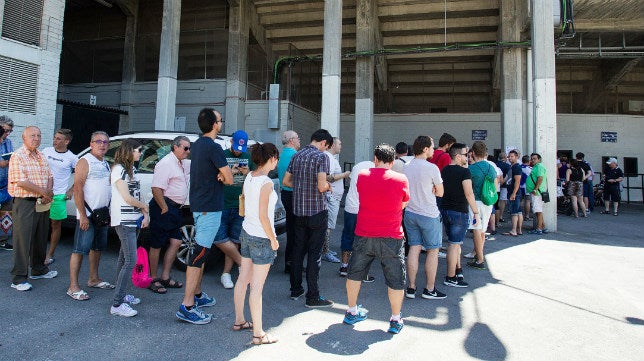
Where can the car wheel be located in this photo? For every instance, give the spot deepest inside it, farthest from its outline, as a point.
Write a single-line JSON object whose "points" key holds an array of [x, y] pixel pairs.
{"points": [[188, 244]]}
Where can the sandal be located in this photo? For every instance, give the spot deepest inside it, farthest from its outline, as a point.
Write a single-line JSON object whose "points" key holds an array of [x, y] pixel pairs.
{"points": [[264, 339], [170, 283], [246, 325], [157, 287], [605, 212], [104, 285], [78, 295]]}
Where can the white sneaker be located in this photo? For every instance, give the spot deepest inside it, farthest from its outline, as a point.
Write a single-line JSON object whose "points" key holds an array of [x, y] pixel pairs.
{"points": [[227, 281], [470, 255], [442, 254], [131, 299], [50, 274], [24, 286], [123, 310]]}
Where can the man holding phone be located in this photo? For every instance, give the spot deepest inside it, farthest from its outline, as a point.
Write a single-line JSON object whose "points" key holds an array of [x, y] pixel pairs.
{"points": [[227, 238]]}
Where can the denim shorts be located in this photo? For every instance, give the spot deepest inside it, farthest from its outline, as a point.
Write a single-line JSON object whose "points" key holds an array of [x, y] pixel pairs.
{"points": [[348, 231], [456, 224], [94, 238], [515, 205], [231, 226], [423, 231], [206, 226], [389, 251], [258, 249]]}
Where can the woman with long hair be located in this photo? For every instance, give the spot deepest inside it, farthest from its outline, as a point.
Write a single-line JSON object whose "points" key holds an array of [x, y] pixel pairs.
{"points": [[126, 211], [575, 176], [258, 241]]}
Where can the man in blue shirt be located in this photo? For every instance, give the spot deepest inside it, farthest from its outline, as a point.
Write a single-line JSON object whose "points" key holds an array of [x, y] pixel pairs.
{"points": [[291, 142], [209, 172]]}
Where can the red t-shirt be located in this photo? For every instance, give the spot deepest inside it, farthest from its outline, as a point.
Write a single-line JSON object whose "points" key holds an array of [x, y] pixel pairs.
{"points": [[441, 159], [381, 193]]}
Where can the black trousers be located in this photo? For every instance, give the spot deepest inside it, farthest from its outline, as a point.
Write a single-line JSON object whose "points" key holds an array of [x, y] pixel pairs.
{"points": [[310, 233]]}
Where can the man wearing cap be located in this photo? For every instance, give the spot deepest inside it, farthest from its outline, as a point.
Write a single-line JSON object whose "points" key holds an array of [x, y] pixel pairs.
{"points": [[227, 238], [612, 189]]}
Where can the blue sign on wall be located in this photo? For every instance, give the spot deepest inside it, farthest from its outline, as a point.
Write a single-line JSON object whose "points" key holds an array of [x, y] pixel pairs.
{"points": [[479, 134], [609, 137]]}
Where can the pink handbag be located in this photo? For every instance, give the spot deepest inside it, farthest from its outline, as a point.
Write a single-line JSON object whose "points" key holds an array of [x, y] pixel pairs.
{"points": [[141, 272]]}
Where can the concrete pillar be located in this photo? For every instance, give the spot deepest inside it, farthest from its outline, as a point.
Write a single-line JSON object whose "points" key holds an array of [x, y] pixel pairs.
{"points": [[129, 69], [365, 15], [330, 117], [236, 73], [168, 62], [1, 12], [545, 107], [529, 121], [511, 78]]}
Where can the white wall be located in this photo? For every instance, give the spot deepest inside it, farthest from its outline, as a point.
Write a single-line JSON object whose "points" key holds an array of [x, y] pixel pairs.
{"points": [[47, 57]]}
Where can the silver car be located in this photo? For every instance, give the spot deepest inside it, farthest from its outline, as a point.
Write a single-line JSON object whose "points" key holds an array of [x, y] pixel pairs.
{"points": [[156, 145]]}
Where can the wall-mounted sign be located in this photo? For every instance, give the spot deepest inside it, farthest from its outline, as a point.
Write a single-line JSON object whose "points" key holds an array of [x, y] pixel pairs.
{"points": [[609, 137], [92, 99], [479, 134]]}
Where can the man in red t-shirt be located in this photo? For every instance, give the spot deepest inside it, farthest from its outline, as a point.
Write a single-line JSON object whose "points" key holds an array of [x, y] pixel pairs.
{"points": [[441, 155], [383, 194]]}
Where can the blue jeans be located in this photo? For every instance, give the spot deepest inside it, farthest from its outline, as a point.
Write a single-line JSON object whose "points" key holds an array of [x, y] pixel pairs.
{"points": [[94, 239], [348, 231], [126, 261], [456, 224]]}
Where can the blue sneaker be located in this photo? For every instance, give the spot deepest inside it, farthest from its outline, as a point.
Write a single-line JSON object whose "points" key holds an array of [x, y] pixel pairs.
{"points": [[193, 315], [351, 319], [395, 327], [204, 300]]}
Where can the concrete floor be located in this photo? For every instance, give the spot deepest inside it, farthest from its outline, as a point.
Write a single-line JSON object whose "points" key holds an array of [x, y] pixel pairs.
{"points": [[575, 295]]}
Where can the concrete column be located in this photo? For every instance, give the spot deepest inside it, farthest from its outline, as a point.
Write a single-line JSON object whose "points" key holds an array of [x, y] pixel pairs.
{"points": [[545, 109], [168, 62], [529, 124], [331, 66], [236, 74], [364, 81], [1, 12], [129, 69], [511, 78]]}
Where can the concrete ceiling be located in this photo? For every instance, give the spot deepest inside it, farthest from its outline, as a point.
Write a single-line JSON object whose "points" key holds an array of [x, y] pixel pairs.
{"points": [[455, 81]]}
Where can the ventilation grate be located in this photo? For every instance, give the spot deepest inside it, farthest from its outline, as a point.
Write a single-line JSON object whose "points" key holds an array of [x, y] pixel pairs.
{"points": [[22, 20], [18, 85]]}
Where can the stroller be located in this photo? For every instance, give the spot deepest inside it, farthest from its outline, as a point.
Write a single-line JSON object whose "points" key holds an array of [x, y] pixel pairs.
{"points": [[598, 194], [564, 203]]}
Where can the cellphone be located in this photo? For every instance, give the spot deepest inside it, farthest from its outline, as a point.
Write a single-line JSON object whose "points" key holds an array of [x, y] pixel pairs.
{"points": [[243, 163], [474, 221]]}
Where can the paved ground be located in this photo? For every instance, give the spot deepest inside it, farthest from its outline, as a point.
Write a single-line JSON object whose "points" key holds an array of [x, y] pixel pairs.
{"points": [[575, 295]]}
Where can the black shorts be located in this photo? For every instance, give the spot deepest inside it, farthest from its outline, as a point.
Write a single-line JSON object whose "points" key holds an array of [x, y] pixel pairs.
{"points": [[389, 251], [612, 193], [164, 226]]}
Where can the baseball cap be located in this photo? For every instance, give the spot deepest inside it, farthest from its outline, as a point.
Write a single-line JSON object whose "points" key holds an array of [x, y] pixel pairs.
{"points": [[240, 141], [611, 160]]}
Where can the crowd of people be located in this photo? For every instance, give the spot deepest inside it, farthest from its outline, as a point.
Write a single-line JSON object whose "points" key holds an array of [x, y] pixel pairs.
{"points": [[400, 203]]}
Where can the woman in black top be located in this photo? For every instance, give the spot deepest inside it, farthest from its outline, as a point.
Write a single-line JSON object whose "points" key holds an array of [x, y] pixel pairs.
{"points": [[575, 176]]}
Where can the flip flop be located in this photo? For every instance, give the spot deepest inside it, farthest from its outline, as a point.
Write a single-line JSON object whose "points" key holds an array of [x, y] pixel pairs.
{"points": [[509, 234], [104, 285], [246, 325], [170, 283], [49, 261], [264, 339], [78, 295]]}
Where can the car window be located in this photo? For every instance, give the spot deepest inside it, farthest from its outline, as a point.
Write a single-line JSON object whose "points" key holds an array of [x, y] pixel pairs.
{"points": [[153, 151]]}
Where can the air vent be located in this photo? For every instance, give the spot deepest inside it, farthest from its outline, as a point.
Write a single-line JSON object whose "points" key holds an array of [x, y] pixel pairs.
{"points": [[22, 20], [18, 84]]}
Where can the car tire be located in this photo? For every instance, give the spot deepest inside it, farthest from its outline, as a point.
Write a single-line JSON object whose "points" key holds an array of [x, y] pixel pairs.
{"points": [[188, 243]]}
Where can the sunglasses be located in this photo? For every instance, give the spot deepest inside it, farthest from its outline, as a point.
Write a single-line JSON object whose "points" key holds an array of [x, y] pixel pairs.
{"points": [[186, 148]]}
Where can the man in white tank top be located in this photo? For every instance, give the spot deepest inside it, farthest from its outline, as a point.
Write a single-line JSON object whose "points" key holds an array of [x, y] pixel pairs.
{"points": [[91, 190]]}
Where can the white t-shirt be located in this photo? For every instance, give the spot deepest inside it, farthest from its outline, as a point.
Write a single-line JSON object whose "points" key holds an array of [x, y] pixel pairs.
{"points": [[62, 165], [499, 173], [337, 187], [252, 190], [422, 176], [352, 202], [123, 214]]}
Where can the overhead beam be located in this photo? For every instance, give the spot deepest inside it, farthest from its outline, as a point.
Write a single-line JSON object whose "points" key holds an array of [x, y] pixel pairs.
{"points": [[608, 76], [609, 25]]}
